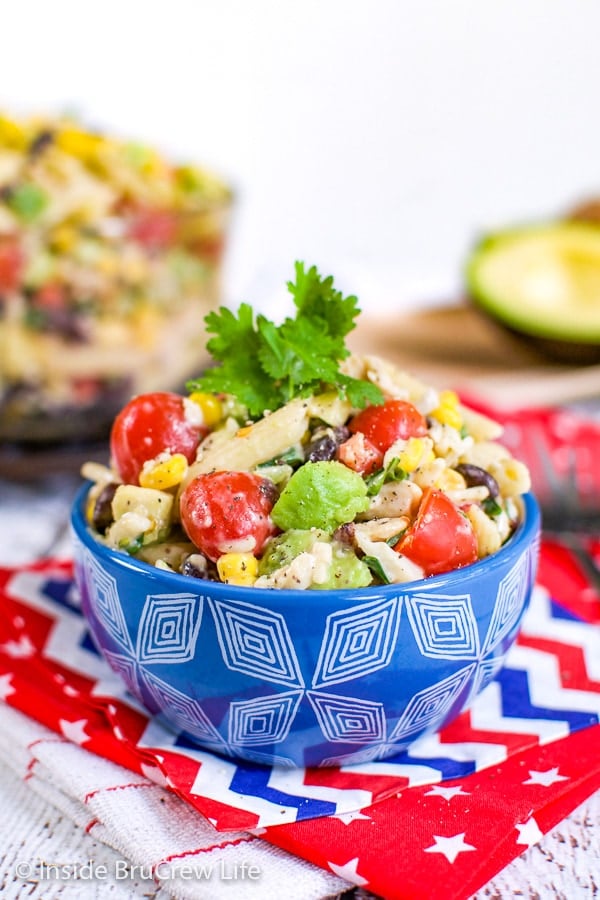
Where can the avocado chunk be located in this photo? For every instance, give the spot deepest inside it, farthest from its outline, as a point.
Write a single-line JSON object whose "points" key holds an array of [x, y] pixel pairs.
{"points": [[542, 281], [323, 495], [344, 571]]}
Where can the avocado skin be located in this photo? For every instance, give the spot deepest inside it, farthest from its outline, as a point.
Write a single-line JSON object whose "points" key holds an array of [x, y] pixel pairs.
{"points": [[572, 353]]}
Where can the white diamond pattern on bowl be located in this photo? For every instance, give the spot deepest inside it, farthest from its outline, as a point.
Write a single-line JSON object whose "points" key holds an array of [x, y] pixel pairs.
{"points": [[187, 713], [431, 705], [105, 600], [358, 641], [509, 603], [256, 642], [348, 719], [263, 720], [486, 670], [168, 628], [126, 668], [355, 641], [444, 627]]}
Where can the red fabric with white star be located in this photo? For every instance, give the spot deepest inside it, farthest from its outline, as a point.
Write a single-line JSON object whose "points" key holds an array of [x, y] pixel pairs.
{"points": [[445, 842]]}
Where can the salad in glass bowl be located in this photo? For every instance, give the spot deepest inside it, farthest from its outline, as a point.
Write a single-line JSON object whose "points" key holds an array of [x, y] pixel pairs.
{"points": [[110, 255], [292, 464]]}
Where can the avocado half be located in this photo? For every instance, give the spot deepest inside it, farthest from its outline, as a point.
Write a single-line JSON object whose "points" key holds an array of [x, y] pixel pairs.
{"points": [[542, 282]]}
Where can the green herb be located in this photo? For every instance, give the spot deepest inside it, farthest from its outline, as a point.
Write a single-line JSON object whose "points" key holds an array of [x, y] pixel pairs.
{"points": [[376, 568], [292, 457], [132, 545], [266, 365], [491, 507], [392, 472]]}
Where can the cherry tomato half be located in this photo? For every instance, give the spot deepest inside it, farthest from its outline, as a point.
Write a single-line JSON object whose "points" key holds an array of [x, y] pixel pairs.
{"points": [[393, 420], [148, 425], [441, 537], [228, 512]]}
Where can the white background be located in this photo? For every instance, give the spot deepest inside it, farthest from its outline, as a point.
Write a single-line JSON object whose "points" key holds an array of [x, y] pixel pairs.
{"points": [[376, 139]]}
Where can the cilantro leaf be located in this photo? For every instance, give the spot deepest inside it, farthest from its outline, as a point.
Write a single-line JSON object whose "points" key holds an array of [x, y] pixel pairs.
{"points": [[265, 365], [235, 346], [317, 299]]}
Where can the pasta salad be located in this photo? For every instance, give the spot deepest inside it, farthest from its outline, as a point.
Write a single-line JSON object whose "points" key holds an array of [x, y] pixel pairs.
{"points": [[109, 254], [370, 477]]}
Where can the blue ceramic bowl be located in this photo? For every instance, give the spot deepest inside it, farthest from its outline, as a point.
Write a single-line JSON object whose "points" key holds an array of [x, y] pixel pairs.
{"points": [[305, 678]]}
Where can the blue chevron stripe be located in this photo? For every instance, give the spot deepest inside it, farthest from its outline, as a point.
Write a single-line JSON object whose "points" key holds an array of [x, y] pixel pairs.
{"points": [[253, 780], [561, 613], [450, 768], [516, 703]]}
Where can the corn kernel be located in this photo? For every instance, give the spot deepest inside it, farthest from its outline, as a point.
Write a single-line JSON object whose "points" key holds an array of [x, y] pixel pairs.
{"points": [[81, 144], [90, 506], [11, 134], [410, 457], [63, 238], [164, 473], [238, 568], [242, 432], [212, 410], [447, 411]]}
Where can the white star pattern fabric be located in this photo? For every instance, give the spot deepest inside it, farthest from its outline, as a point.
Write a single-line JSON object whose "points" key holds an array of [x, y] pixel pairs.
{"points": [[349, 871], [529, 833], [348, 818], [74, 731], [447, 793], [6, 688], [551, 776], [450, 847]]}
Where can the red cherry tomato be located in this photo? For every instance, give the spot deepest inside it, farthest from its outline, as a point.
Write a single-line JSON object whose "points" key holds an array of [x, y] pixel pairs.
{"points": [[154, 228], [11, 264], [441, 537], [148, 425], [224, 512], [394, 419], [51, 296]]}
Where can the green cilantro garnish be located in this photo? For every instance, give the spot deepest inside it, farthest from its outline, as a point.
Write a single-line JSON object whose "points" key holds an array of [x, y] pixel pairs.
{"points": [[266, 365]]}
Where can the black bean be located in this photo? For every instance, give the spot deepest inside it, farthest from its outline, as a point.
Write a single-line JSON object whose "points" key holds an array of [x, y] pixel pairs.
{"points": [[475, 475], [198, 566], [269, 490], [321, 450], [324, 448], [102, 517]]}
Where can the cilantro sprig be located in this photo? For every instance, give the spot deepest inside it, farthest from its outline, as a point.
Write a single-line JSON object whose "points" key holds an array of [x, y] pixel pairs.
{"points": [[266, 365]]}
